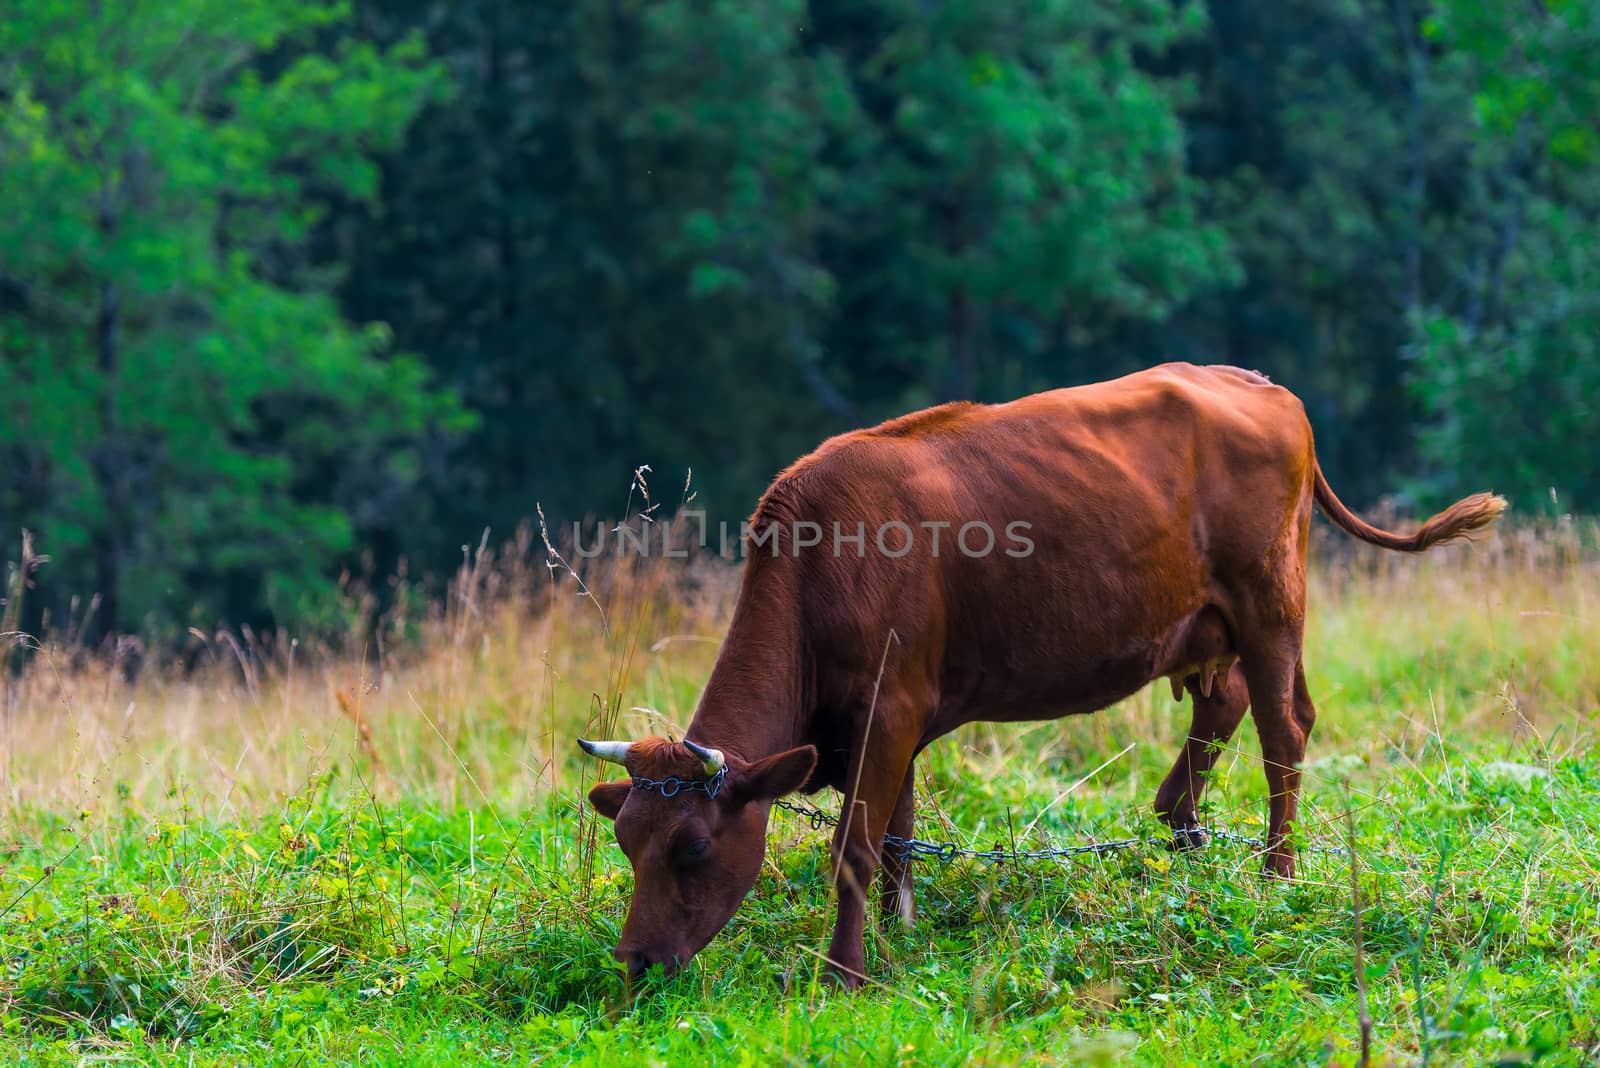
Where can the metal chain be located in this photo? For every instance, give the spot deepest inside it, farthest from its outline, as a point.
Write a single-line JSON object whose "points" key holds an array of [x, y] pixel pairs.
{"points": [[910, 848], [673, 786]]}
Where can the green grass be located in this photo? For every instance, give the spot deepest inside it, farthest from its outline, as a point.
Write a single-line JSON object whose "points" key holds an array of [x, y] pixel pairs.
{"points": [[437, 897]]}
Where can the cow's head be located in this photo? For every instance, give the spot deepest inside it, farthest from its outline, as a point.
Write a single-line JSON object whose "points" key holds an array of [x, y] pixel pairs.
{"points": [[696, 850]]}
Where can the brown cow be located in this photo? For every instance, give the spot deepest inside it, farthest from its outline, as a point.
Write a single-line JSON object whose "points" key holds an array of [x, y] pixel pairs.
{"points": [[1153, 526]]}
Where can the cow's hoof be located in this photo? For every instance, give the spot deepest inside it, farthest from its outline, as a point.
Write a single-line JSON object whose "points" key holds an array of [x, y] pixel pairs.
{"points": [[1186, 838], [843, 976]]}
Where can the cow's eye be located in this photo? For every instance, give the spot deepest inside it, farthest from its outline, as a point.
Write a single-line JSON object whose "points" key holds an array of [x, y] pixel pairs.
{"points": [[694, 852]]}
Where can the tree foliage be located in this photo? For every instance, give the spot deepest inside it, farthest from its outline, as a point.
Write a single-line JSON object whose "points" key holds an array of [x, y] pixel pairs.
{"points": [[1511, 374], [708, 233], [1014, 190], [705, 234], [190, 422]]}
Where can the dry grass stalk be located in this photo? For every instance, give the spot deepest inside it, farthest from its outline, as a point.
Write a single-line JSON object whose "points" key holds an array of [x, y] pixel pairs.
{"points": [[1363, 1012], [352, 710], [11, 638]]}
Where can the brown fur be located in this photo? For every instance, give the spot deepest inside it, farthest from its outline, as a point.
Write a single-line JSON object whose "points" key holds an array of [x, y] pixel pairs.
{"points": [[1456, 523], [1169, 513]]}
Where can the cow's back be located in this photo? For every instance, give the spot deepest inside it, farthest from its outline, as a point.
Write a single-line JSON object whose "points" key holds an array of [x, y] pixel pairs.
{"points": [[1099, 521]]}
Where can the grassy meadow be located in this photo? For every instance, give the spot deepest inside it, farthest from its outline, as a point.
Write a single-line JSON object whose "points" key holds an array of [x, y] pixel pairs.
{"points": [[249, 850]]}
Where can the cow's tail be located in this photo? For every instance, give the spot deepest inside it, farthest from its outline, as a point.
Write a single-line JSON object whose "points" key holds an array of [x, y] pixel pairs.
{"points": [[1459, 521]]}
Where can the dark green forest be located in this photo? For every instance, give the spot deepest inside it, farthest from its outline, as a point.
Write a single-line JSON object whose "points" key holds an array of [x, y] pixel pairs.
{"points": [[292, 290]]}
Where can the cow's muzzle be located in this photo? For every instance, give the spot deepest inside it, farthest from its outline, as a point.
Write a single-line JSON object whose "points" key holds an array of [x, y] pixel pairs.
{"points": [[639, 961]]}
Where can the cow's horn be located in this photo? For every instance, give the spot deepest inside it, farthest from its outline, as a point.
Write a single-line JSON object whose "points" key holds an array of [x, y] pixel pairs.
{"points": [[616, 752], [711, 758]]}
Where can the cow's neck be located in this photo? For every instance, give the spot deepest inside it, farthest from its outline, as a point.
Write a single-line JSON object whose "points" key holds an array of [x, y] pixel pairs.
{"points": [[757, 701]]}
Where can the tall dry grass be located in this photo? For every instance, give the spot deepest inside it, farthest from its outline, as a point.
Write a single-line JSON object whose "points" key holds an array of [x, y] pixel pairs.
{"points": [[480, 696], [476, 696]]}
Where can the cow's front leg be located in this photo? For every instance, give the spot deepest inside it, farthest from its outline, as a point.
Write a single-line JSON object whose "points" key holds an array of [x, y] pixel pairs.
{"points": [[894, 882], [878, 773], [1216, 717]]}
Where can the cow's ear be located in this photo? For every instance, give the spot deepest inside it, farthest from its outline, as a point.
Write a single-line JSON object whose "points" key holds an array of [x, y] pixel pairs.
{"points": [[607, 798], [776, 775]]}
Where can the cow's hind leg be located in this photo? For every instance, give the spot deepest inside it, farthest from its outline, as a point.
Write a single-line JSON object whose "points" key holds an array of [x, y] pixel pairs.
{"points": [[1282, 709], [894, 879], [1215, 719]]}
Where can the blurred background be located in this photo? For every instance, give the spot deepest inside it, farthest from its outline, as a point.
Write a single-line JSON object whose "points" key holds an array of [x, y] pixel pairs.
{"points": [[296, 295]]}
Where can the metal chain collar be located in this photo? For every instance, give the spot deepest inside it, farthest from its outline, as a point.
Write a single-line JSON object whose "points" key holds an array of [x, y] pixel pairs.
{"points": [[911, 848], [673, 786]]}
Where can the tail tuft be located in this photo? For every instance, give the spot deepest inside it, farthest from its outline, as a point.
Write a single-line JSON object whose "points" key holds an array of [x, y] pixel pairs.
{"points": [[1461, 520]]}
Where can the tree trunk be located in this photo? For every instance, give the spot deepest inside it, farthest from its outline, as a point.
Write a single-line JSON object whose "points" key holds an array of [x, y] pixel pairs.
{"points": [[1417, 180]]}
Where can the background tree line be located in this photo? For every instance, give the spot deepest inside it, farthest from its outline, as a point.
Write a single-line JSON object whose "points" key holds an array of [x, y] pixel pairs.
{"points": [[294, 288]]}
